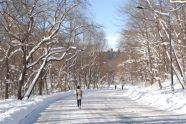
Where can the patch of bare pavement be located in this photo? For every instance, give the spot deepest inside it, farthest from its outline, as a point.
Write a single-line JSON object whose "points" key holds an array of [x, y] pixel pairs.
{"points": [[105, 107]]}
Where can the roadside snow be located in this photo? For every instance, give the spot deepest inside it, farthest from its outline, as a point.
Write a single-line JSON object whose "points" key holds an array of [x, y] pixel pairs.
{"points": [[163, 99], [14, 111]]}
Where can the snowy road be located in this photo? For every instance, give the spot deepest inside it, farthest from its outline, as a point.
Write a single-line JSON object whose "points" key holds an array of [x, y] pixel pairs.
{"points": [[105, 107]]}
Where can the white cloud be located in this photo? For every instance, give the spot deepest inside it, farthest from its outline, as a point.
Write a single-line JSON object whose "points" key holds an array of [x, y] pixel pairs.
{"points": [[112, 41]]}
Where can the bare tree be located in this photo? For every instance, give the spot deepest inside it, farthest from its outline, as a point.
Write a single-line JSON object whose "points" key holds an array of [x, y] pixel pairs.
{"points": [[149, 20]]}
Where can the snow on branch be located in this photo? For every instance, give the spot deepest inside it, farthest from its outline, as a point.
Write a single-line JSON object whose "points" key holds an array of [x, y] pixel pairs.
{"points": [[35, 62], [162, 13], [13, 53], [45, 39], [57, 49], [52, 58]]}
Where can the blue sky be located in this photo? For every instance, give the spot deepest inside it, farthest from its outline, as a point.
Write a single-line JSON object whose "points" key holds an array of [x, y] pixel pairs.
{"points": [[106, 13]]}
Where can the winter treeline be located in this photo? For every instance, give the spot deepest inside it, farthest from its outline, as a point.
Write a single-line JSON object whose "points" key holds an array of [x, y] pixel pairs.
{"points": [[47, 46], [146, 41]]}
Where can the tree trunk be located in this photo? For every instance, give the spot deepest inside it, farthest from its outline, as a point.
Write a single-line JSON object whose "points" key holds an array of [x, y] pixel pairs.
{"points": [[20, 83], [41, 87], [7, 74], [6, 90], [28, 92], [89, 76], [7, 80]]}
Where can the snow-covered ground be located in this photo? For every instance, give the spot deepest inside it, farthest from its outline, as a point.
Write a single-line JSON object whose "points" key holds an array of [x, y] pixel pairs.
{"points": [[13, 111], [163, 99]]}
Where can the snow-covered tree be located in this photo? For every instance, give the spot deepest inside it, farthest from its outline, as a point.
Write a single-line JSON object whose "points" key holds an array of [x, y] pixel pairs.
{"points": [[42, 43], [152, 21]]}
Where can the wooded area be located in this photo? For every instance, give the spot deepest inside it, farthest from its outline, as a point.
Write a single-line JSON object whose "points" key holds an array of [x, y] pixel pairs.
{"points": [[152, 25], [48, 46]]}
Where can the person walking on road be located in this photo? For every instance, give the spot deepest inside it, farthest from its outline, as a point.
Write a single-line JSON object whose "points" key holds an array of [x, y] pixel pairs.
{"points": [[78, 96], [122, 86]]}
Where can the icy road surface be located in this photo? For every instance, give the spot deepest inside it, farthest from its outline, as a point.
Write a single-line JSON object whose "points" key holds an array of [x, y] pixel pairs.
{"points": [[105, 107]]}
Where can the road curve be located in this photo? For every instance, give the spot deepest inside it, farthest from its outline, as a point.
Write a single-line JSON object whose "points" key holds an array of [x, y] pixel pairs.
{"points": [[105, 107]]}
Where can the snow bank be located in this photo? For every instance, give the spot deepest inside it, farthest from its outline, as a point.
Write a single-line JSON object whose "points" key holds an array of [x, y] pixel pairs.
{"points": [[163, 99], [14, 111]]}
